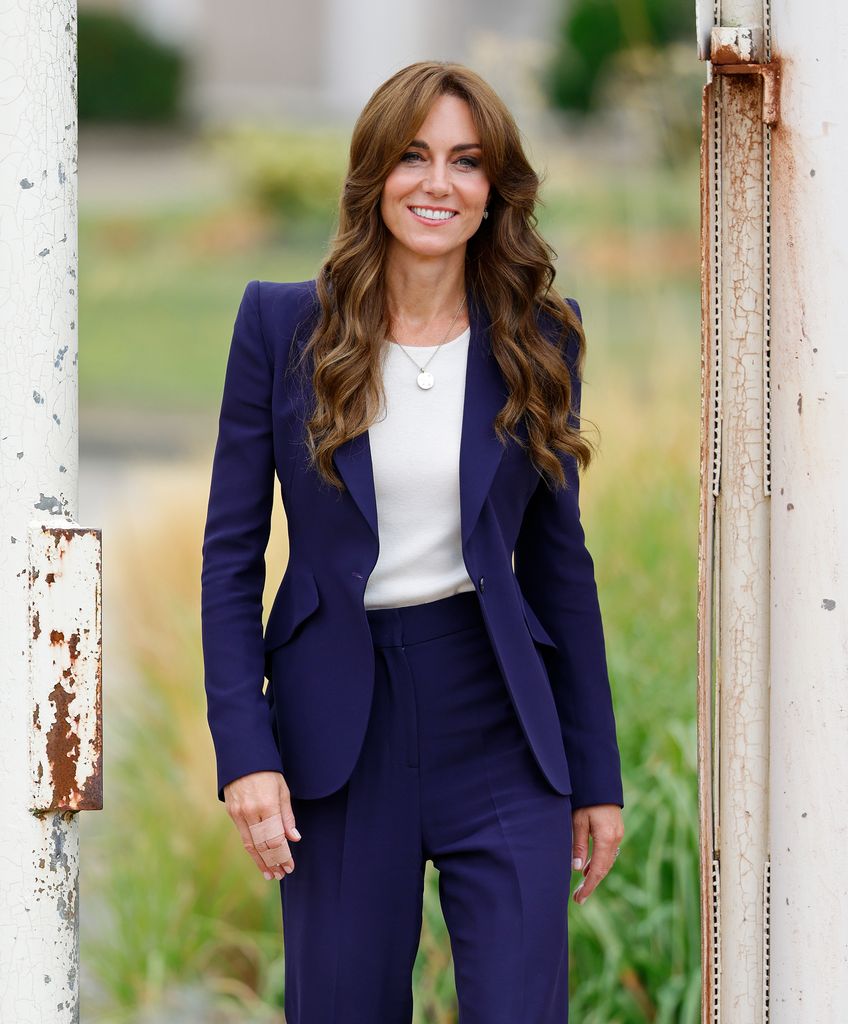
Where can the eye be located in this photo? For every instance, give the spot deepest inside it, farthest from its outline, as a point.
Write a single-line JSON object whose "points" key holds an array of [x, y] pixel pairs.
{"points": [[471, 161]]}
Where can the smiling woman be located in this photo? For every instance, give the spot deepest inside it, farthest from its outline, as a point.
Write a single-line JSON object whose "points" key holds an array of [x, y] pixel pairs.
{"points": [[438, 687], [434, 186]]}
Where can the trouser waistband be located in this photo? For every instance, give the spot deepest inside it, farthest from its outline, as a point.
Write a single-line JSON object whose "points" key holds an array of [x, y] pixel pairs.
{"points": [[410, 624]]}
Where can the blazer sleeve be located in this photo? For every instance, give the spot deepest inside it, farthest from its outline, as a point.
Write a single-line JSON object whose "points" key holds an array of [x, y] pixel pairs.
{"points": [[556, 574], [238, 525]]}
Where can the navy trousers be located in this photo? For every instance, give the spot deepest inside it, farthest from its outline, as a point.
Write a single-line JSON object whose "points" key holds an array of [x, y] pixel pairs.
{"points": [[445, 774]]}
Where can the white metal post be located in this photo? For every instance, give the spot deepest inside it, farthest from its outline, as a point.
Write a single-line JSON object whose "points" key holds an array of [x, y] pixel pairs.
{"points": [[808, 792], [50, 725], [773, 645]]}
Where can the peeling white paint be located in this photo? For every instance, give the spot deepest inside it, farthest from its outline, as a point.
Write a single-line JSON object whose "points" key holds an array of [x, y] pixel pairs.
{"points": [[772, 642], [39, 849]]}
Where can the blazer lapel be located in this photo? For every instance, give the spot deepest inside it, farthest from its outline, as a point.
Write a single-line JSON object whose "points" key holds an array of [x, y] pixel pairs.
{"points": [[480, 451], [353, 461]]}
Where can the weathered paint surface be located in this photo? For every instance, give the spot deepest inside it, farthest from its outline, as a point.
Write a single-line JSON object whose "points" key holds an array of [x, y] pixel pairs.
{"points": [[50, 735], [808, 802], [772, 646], [742, 616], [66, 741], [733, 609]]}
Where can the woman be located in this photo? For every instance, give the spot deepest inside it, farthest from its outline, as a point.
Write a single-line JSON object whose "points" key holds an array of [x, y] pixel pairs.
{"points": [[435, 654]]}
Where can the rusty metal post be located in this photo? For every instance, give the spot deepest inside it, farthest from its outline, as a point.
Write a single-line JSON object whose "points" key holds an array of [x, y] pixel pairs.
{"points": [[772, 641], [50, 639], [733, 705]]}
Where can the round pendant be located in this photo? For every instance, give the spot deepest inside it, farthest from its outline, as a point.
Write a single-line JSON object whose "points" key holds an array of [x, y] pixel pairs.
{"points": [[425, 380]]}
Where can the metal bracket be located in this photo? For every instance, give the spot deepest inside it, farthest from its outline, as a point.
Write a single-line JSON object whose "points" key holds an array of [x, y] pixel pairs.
{"points": [[734, 51], [65, 724]]}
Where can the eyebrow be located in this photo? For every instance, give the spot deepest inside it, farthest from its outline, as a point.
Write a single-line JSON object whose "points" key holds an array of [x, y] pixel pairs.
{"points": [[420, 144]]}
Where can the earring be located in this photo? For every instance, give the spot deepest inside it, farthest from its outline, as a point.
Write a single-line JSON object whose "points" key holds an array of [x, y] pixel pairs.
{"points": [[486, 212]]}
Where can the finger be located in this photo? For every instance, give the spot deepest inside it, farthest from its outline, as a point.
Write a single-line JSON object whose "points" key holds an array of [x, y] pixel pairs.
{"points": [[287, 811], [243, 819], [276, 854], [604, 845], [288, 814], [579, 840], [269, 838], [247, 842]]}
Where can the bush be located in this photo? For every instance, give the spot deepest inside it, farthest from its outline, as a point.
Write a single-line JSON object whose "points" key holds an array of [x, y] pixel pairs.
{"points": [[125, 74], [593, 32], [292, 173]]}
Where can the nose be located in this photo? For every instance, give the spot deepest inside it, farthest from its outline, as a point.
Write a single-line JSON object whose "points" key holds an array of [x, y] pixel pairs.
{"points": [[437, 181]]}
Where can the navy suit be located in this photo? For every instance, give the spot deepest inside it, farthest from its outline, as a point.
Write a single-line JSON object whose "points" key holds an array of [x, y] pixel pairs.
{"points": [[463, 730], [543, 617]]}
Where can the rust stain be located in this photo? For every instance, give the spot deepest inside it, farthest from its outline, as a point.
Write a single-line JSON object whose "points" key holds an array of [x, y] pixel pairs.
{"points": [[769, 74], [63, 741], [724, 53], [62, 748]]}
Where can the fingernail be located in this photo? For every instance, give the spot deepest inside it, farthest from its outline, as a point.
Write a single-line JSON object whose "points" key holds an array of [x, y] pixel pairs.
{"points": [[288, 869], [577, 863], [268, 875], [578, 894], [296, 834]]}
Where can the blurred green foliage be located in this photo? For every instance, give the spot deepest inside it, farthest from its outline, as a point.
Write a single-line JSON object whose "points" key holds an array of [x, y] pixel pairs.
{"points": [[125, 75], [289, 172], [593, 32]]}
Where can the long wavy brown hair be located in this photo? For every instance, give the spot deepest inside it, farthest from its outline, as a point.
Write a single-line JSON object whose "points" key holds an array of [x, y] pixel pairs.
{"points": [[508, 268]]}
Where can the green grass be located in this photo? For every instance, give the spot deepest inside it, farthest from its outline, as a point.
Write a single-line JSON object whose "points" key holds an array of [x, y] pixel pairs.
{"points": [[183, 919], [158, 298]]}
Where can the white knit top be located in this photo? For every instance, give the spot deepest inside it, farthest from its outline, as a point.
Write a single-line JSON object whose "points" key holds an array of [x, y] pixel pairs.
{"points": [[415, 458]]}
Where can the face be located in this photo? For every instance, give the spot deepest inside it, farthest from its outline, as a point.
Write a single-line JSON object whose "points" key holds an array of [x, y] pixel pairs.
{"points": [[440, 171]]}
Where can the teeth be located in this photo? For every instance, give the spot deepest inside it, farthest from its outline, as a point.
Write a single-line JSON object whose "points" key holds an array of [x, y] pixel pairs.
{"points": [[433, 214]]}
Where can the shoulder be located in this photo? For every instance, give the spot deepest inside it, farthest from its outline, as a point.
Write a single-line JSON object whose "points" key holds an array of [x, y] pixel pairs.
{"points": [[576, 307], [282, 310], [282, 304], [561, 336]]}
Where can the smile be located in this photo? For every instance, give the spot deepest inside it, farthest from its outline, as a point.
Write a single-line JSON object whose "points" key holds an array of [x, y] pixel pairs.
{"points": [[431, 216]]}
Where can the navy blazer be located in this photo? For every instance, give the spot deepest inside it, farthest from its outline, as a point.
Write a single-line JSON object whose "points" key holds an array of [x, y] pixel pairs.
{"points": [[541, 610]]}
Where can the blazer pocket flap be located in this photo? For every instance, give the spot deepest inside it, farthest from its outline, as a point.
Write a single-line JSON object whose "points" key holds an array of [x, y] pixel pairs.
{"points": [[296, 600], [537, 630]]}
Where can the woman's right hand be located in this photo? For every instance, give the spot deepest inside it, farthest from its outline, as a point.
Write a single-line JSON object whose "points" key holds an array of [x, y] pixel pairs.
{"points": [[253, 798]]}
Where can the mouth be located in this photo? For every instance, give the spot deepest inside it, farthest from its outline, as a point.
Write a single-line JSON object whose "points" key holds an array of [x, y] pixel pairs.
{"points": [[439, 216]]}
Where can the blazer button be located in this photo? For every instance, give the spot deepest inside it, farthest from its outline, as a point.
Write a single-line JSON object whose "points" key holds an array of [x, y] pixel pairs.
{"points": [[482, 580]]}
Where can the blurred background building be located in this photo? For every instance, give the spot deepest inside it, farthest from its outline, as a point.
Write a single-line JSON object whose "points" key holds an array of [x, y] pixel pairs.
{"points": [[322, 60]]}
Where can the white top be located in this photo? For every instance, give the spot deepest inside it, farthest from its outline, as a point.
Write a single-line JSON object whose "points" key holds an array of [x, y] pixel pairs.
{"points": [[415, 457]]}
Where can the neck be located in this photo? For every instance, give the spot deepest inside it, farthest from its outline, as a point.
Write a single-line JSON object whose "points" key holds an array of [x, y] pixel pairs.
{"points": [[426, 293]]}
